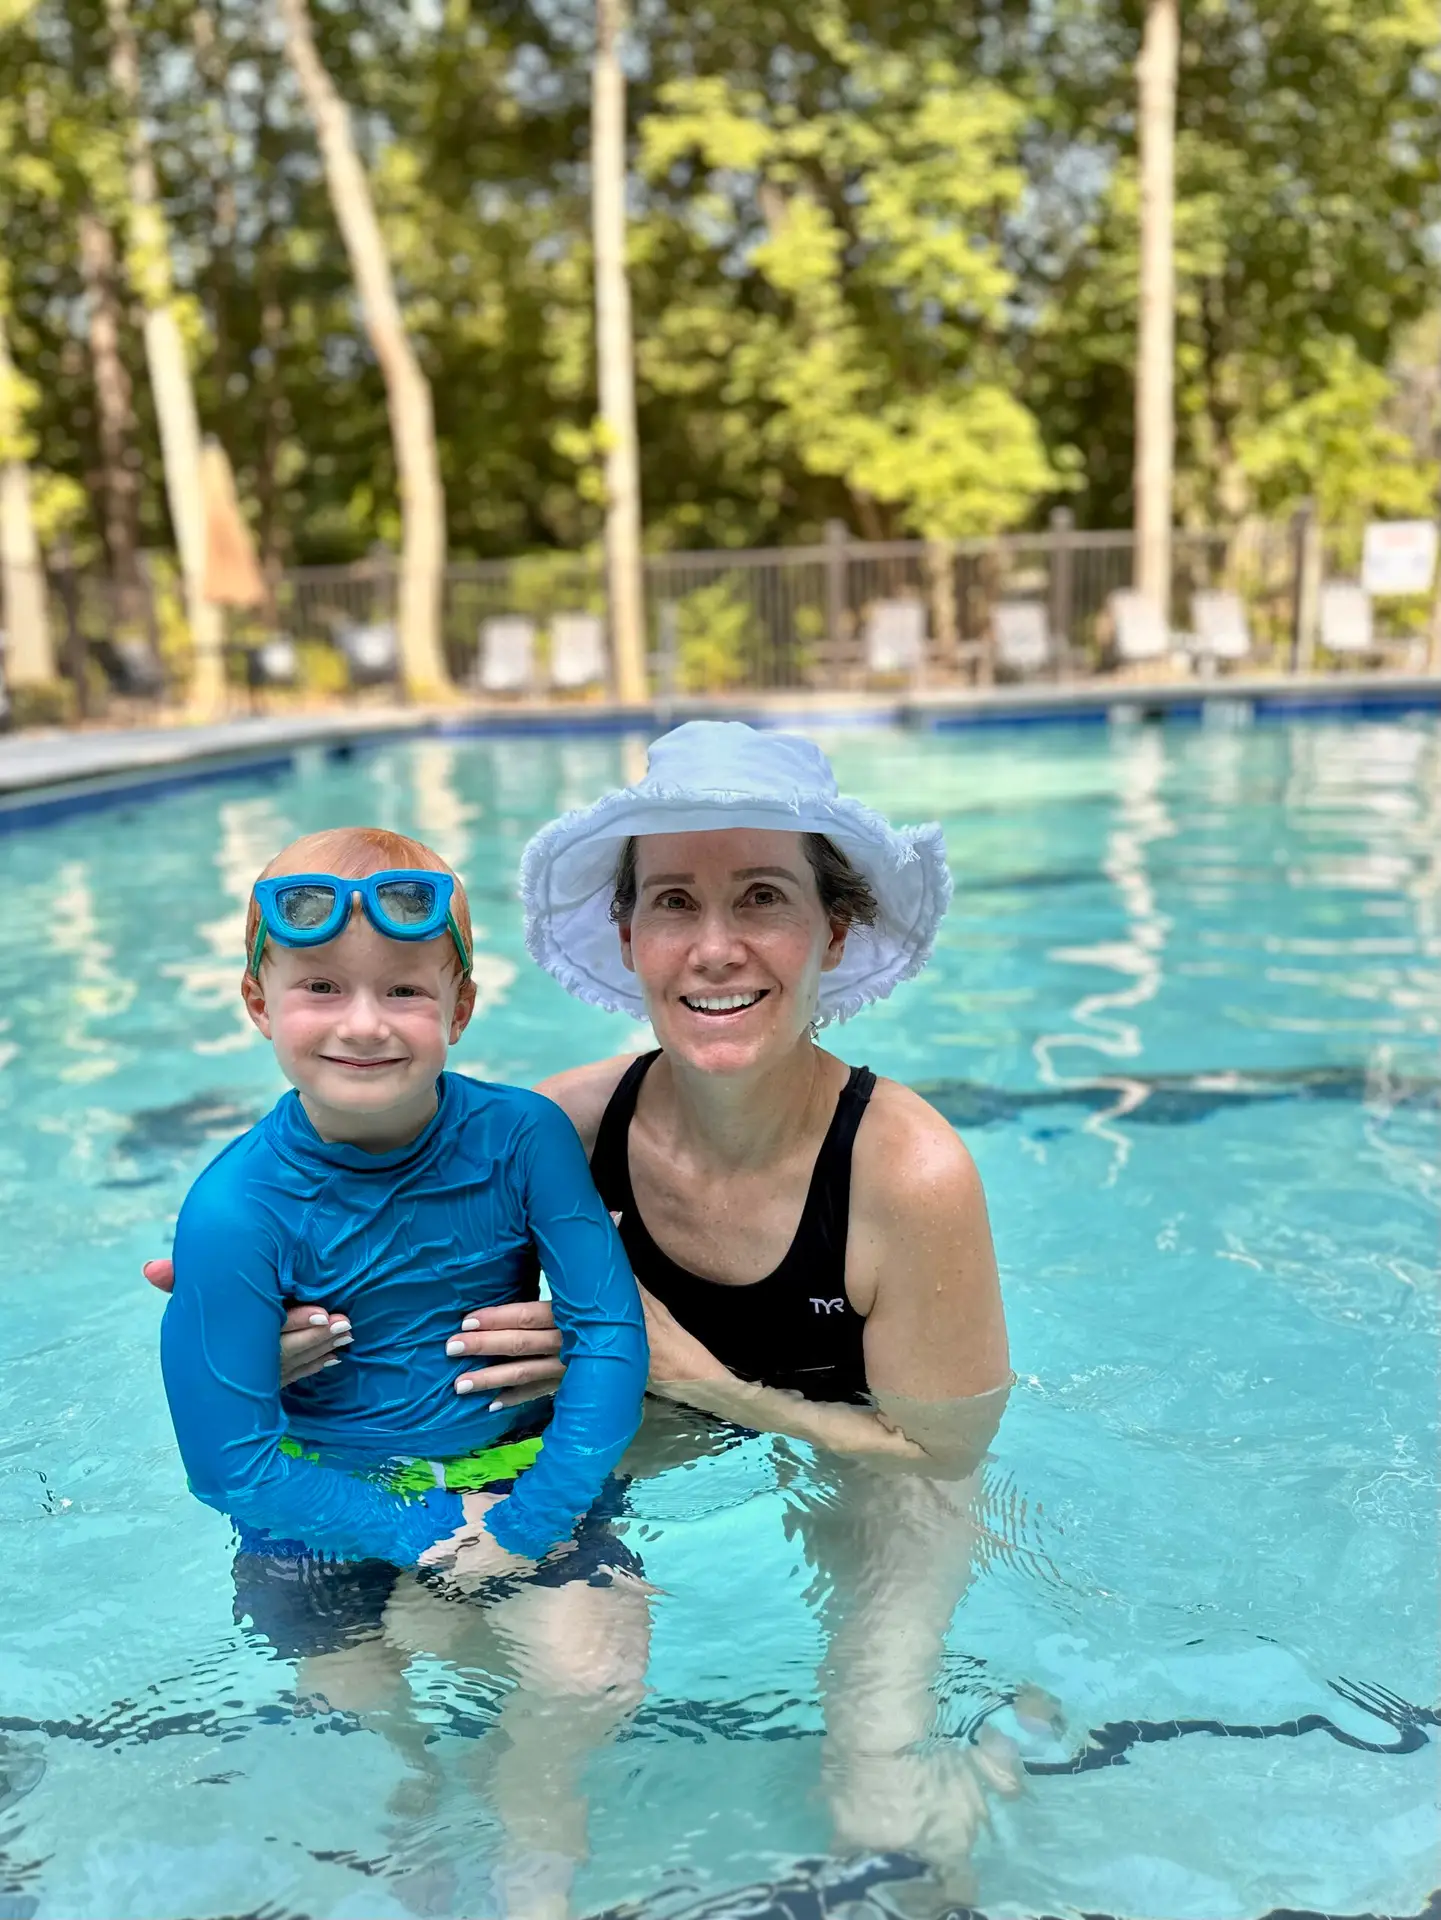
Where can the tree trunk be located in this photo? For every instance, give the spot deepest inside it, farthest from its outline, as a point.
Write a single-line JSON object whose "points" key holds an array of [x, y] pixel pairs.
{"points": [[115, 406], [149, 263], [615, 357], [1156, 343], [29, 658], [412, 418]]}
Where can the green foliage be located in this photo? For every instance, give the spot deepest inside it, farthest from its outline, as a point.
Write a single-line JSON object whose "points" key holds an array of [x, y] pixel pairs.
{"points": [[43, 703], [883, 264], [717, 637]]}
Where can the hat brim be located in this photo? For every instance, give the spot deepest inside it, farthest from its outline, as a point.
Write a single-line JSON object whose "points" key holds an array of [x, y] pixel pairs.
{"points": [[567, 877]]}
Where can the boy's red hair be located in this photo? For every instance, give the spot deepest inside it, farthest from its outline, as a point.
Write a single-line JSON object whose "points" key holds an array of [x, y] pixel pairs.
{"points": [[352, 853]]}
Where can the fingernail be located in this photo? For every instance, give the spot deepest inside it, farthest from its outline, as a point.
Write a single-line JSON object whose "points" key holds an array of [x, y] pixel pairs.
{"points": [[319, 1320], [495, 1406], [344, 1340], [470, 1324], [464, 1386], [332, 1361], [340, 1324], [455, 1346]]}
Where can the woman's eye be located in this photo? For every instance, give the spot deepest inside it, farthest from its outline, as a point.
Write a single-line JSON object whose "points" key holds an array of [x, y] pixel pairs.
{"points": [[672, 902], [766, 896]]}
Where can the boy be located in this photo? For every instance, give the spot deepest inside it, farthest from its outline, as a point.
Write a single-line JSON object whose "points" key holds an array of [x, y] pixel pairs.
{"points": [[401, 1195]]}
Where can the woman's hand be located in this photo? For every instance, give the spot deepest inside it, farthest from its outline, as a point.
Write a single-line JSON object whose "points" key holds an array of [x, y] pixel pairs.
{"points": [[523, 1342], [310, 1337]]}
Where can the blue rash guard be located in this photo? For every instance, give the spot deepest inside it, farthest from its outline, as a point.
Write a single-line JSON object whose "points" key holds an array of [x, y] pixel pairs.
{"points": [[404, 1243]]}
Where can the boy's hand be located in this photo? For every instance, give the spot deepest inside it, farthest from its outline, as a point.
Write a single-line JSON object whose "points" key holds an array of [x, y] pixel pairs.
{"points": [[522, 1340], [309, 1338], [472, 1552]]}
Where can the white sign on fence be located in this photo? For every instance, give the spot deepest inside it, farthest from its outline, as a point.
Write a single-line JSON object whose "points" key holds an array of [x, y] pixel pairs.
{"points": [[1399, 556]]}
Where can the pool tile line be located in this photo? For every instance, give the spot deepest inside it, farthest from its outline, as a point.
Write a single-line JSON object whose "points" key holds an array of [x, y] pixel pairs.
{"points": [[46, 777]]}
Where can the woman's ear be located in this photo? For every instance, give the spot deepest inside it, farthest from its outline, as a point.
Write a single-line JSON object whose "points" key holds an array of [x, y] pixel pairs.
{"points": [[464, 1008], [627, 958], [253, 994], [836, 951]]}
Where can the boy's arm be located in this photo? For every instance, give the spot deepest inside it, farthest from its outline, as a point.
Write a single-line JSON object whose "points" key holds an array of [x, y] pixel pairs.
{"points": [[220, 1360], [597, 1308]]}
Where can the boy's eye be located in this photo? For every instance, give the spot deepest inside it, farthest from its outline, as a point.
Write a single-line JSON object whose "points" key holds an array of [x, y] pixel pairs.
{"points": [[407, 993], [321, 986]]}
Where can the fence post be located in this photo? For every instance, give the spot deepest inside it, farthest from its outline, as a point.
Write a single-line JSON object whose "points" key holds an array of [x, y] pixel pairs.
{"points": [[75, 652], [1063, 522], [1305, 586], [837, 536]]}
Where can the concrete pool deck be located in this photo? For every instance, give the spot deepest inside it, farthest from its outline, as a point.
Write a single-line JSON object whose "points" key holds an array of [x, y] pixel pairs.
{"points": [[53, 771]]}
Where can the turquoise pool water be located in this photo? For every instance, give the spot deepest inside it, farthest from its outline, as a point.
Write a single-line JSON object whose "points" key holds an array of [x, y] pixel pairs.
{"points": [[1185, 1011]]}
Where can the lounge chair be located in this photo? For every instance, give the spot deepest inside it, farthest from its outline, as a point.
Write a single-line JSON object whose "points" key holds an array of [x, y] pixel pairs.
{"points": [[1140, 629], [1221, 630], [507, 649], [1345, 619], [895, 637], [577, 650], [274, 663], [370, 651], [1022, 634]]}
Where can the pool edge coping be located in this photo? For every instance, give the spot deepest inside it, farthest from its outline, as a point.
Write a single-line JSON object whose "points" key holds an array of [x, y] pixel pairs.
{"points": [[146, 763]]}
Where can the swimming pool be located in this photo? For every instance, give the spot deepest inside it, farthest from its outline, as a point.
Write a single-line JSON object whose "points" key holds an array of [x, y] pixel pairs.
{"points": [[1184, 1010]]}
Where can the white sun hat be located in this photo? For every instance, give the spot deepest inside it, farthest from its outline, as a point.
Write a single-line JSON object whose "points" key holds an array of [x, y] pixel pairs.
{"points": [[705, 776]]}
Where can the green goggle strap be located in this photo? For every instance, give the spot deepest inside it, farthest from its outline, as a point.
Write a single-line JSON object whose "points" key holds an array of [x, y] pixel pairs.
{"points": [[450, 924]]}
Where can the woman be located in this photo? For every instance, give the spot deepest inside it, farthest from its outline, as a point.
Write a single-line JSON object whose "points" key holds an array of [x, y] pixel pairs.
{"points": [[811, 1241]]}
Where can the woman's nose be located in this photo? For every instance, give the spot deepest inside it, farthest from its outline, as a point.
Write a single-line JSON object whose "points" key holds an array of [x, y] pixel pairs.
{"points": [[717, 941]]}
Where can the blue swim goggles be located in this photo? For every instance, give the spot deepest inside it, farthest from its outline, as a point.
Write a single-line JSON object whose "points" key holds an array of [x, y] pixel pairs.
{"points": [[307, 909]]}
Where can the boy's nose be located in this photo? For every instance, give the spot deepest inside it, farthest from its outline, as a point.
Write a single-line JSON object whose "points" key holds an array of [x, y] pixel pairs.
{"points": [[363, 1013]]}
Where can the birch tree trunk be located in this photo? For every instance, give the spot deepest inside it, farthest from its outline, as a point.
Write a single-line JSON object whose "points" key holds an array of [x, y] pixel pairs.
{"points": [[114, 404], [408, 397], [615, 357], [29, 657], [1156, 341], [148, 258]]}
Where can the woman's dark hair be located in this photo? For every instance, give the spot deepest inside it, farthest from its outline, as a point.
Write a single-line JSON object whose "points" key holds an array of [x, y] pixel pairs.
{"points": [[846, 895]]}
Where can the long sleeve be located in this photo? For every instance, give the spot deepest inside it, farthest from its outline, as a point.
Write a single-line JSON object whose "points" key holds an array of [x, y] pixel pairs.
{"points": [[219, 1354], [597, 1309]]}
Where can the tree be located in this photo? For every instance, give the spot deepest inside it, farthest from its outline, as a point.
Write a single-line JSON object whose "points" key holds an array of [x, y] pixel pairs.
{"points": [[148, 258], [615, 357], [29, 657], [1155, 358], [412, 416]]}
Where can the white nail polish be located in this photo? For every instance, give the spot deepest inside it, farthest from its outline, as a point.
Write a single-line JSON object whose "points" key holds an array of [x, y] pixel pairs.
{"points": [[495, 1406], [319, 1320], [465, 1386], [453, 1347], [470, 1324], [332, 1361]]}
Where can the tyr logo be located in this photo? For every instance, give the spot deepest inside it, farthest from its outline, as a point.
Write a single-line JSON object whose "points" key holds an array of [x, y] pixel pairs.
{"points": [[827, 1306]]}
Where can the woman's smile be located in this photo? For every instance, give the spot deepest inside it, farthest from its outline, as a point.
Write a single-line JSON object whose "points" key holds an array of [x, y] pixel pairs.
{"points": [[716, 1006]]}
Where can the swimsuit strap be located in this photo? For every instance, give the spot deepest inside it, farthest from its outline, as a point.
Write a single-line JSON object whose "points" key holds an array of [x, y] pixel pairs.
{"points": [[610, 1156], [825, 1218]]}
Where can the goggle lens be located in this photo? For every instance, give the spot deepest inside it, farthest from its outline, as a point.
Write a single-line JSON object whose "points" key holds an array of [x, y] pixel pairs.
{"points": [[305, 908], [406, 903]]}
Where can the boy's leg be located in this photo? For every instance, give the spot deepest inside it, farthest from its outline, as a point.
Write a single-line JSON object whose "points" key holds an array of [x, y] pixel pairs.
{"points": [[576, 1640]]}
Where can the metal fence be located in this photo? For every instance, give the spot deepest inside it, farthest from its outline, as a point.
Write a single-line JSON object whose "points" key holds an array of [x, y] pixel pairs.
{"points": [[798, 618], [731, 620]]}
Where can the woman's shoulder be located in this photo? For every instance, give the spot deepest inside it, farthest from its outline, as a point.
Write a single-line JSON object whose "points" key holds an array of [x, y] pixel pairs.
{"points": [[584, 1093], [909, 1160]]}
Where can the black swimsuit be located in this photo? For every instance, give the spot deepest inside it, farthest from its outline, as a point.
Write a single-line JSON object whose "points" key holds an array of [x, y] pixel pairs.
{"points": [[795, 1328]]}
